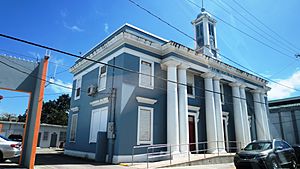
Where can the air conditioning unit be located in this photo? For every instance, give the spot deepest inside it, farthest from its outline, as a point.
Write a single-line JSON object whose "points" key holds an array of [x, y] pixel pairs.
{"points": [[92, 90]]}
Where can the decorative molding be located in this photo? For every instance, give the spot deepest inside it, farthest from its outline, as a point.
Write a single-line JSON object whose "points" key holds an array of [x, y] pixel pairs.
{"points": [[193, 108], [74, 109], [145, 100], [99, 102]]}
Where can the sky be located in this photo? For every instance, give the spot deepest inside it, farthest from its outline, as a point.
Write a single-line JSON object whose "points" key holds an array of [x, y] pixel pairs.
{"points": [[77, 26]]}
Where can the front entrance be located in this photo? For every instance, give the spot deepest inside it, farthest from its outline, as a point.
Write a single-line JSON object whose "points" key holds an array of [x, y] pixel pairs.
{"points": [[192, 136], [53, 140]]}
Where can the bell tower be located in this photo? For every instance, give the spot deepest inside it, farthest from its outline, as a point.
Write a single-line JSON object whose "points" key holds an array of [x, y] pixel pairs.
{"points": [[205, 34]]}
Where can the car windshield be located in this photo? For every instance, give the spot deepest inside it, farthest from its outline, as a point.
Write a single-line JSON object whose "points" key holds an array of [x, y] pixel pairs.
{"points": [[259, 146], [4, 138]]}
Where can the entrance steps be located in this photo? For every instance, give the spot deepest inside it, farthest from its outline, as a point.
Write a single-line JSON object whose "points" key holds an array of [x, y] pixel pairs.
{"points": [[187, 160]]}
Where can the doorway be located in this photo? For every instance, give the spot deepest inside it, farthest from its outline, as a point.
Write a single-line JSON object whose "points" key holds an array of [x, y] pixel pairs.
{"points": [[53, 140], [192, 134]]}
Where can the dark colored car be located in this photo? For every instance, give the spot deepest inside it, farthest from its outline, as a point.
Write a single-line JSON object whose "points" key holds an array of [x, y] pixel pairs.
{"points": [[271, 154], [297, 151]]}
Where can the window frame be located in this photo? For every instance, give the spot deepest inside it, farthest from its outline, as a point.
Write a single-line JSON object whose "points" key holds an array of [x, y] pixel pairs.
{"points": [[222, 93], [45, 135], [151, 76], [102, 77], [75, 129], [78, 86], [99, 122], [190, 81], [139, 142]]}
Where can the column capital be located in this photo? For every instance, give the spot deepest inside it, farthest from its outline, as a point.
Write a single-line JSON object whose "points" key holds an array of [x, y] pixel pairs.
{"points": [[183, 66], [235, 84], [208, 75], [257, 90], [216, 77], [243, 86], [171, 62]]}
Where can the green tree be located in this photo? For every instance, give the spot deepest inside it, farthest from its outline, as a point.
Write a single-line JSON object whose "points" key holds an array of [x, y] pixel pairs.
{"points": [[54, 111]]}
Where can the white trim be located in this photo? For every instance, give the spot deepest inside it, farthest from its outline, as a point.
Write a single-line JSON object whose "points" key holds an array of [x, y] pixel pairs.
{"points": [[145, 100], [196, 127], [102, 77], [78, 85], [151, 76], [99, 102], [115, 54], [194, 108], [190, 79], [73, 141], [225, 118], [138, 126], [98, 123], [81, 154], [74, 109], [222, 93]]}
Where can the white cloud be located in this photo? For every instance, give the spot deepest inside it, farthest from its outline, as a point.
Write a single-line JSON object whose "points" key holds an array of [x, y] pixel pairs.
{"points": [[63, 13], [73, 28], [59, 89], [106, 27], [279, 91]]}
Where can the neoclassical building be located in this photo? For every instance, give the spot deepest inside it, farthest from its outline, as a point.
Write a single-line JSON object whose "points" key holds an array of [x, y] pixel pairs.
{"points": [[157, 91]]}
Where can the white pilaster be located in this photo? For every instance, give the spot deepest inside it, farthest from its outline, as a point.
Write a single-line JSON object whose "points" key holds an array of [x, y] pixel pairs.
{"points": [[265, 115], [238, 115], [211, 128], [219, 115], [172, 105], [260, 126], [206, 47], [245, 115], [183, 109]]}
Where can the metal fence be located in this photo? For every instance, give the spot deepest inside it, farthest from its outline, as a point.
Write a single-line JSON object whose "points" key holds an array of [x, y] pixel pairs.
{"points": [[149, 153]]}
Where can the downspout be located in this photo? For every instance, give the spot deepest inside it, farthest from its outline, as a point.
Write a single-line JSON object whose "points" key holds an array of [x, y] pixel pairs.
{"points": [[111, 124]]}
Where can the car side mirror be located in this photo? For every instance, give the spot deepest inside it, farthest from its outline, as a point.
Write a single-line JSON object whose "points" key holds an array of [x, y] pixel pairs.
{"points": [[279, 148]]}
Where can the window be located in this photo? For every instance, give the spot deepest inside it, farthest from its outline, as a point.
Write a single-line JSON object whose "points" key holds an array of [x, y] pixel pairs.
{"points": [[145, 125], [190, 85], [45, 135], [146, 78], [199, 34], [102, 78], [78, 88], [211, 35], [62, 136], [222, 93], [73, 127], [98, 123]]}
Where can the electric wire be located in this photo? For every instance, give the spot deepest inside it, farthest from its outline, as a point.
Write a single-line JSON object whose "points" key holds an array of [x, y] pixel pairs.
{"points": [[216, 51], [258, 20]]}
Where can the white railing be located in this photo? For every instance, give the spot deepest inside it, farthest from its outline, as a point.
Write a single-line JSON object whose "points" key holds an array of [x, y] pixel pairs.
{"points": [[165, 150]]}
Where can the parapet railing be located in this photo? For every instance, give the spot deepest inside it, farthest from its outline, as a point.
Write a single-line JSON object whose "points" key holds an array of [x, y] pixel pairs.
{"points": [[167, 150]]}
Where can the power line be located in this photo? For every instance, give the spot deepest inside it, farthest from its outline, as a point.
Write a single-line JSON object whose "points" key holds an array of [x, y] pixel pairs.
{"points": [[216, 51], [245, 33], [272, 40], [258, 20], [21, 96]]}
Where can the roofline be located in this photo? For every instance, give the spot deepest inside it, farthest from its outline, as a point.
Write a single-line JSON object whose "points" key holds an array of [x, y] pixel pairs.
{"points": [[284, 99]]}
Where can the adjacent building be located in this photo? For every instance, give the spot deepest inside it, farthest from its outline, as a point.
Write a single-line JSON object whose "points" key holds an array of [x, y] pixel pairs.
{"points": [[155, 91], [285, 119], [49, 135]]}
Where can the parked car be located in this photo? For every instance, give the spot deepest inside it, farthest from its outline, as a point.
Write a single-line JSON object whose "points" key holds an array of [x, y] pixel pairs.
{"points": [[271, 154], [15, 137], [9, 149], [297, 151]]}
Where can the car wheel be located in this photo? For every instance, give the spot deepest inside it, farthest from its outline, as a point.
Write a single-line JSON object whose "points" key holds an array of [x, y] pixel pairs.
{"points": [[293, 164], [274, 164], [1, 157]]}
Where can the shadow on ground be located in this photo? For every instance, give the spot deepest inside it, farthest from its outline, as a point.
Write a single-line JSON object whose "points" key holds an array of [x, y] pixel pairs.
{"points": [[57, 158]]}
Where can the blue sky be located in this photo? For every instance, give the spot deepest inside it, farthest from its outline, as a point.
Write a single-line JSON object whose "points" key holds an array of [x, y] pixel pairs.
{"points": [[76, 27]]}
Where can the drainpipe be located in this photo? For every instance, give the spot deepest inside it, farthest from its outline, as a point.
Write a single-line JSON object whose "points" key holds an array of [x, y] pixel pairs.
{"points": [[111, 124]]}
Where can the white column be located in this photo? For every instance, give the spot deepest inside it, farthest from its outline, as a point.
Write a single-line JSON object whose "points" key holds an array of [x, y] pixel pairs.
{"points": [[206, 47], [172, 106], [260, 126], [265, 115], [211, 128], [183, 109], [245, 115], [219, 115], [238, 115]]}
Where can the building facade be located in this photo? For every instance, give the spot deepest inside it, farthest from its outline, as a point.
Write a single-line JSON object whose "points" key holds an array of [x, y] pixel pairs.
{"points": [[154, 91], [285, 119], [49, 135]]}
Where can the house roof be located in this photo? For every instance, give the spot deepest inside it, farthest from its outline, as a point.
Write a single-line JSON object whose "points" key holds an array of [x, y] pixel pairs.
{"points": [[286, 102]]}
